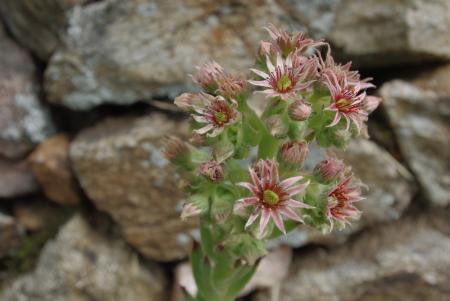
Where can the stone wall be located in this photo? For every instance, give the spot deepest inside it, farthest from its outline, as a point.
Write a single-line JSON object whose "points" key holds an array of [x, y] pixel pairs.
{"points": [[89, 206]]}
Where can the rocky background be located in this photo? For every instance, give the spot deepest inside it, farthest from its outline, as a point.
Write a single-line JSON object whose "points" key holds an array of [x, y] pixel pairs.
{"points": [[89, 207]]}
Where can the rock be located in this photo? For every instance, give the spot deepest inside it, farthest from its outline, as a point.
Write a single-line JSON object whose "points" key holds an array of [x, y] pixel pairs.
{"points": [[81, 264], [35, 215], [410, 31], [9, 234], [375, 33], [419, 118], [51, 167], [46, 20], [16, 179], [101, 62], [390, 191], [24, 121], [405, 260], [272, 269], [120, 165]]}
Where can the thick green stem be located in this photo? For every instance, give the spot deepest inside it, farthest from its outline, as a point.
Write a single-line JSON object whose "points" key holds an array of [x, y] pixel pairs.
{"points": [[268, 145]]}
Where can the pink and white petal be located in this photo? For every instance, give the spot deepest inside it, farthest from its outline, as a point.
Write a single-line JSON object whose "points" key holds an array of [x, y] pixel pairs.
{"points": [[336, 120], [278, 220], [280, 63], [255, 179], [215, 132], [297, 204], [288, 212], [253, 189], [260, 83], [269, 65], [253, 217], [204, 129], [260, 73], [265, 215], [274, 174], [290, 181], [250, 201], [200, 119], [297, 189]]}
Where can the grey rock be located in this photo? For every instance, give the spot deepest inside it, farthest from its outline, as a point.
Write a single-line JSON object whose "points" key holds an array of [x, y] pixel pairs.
{"points": [[120, 165], [420, 120], [405, 260], [16, 179], [390, 191], [385, 32], [24, 121], [80, 264], [37, 24], [375, 33], [9, 234], [124, 51]]}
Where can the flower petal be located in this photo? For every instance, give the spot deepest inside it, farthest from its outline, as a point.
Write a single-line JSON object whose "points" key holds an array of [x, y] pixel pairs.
{"points": [[288, 212], [296, 204], [265, 215], [278, 220], [290, 181], [253, 217]]}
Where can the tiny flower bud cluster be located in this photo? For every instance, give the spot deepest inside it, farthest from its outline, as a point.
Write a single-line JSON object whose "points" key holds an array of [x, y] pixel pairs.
{"points": [[247, 181]]}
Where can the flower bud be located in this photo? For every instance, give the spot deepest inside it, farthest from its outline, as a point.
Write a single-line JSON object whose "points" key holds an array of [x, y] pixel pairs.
{"points": [[276, 126], [328, 169], [207, 75], [371, 103], [299, 110], [212, 169], [175, 149], [189, 210], [187, 101], [294, 152], [230, 86], [341, 138], [197, 139]]}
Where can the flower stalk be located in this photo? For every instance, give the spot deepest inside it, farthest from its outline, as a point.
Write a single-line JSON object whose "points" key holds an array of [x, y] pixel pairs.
{"points": [[245, 172]]}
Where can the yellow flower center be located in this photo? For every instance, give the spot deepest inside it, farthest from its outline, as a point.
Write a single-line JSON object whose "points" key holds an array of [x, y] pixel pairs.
{"points": [[220, 117], [270, 197], [284, 83], [343, 103]]}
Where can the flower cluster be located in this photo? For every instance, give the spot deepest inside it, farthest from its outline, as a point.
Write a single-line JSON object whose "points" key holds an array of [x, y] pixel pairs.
{"points": [[246, 175]]}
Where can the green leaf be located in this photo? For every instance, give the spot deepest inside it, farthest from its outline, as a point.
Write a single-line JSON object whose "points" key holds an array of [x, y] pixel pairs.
{"points": [[239, 280]]}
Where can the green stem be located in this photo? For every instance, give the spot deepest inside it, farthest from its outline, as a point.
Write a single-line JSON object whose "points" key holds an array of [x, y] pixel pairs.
{"points": [[268, 145]]}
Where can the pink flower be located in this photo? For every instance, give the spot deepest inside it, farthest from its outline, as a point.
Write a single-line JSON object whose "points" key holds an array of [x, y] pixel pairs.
{"points": [[287, 78], [270, 196], [347, 100], [286, 42], [207, 75], [341, 201], [214, 78], [216, 113], [342, 72]]}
